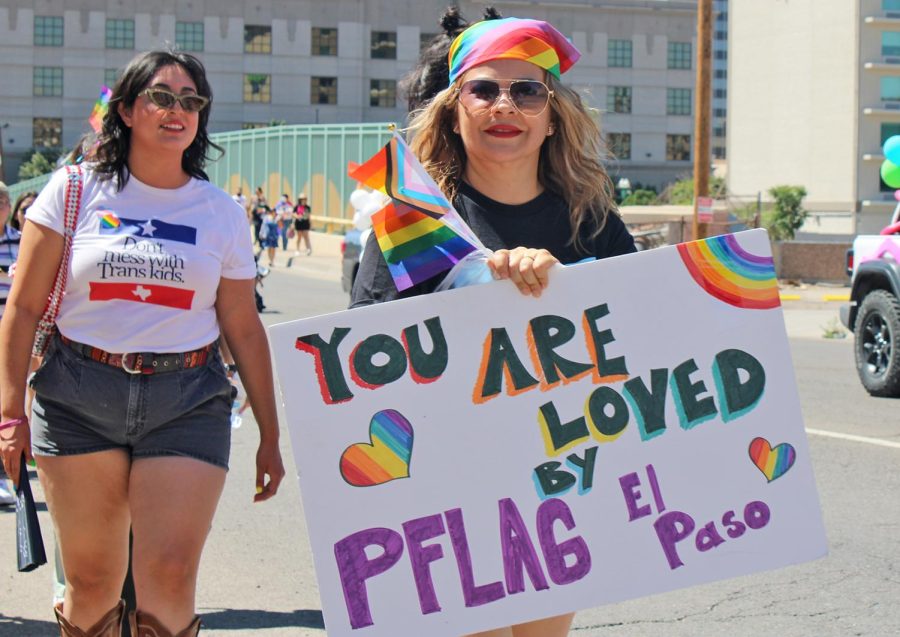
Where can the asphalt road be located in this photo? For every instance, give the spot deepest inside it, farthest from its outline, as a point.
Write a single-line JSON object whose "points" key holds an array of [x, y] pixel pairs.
{"points": [[257, 577]]}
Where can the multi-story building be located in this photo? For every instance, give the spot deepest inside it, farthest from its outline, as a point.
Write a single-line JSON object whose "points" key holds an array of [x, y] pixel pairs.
{"points": [[719, 79], [814, 93], [338, 61]]}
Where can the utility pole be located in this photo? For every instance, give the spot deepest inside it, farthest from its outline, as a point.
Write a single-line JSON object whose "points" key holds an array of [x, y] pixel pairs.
{"points": [[701, 115]]}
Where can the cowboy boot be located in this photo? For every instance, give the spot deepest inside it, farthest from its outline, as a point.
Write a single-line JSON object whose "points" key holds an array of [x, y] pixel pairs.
{"points": [[110, 625], [146, 625]]}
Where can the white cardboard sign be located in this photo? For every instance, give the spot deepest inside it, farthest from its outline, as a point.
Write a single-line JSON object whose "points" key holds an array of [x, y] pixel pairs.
{"points": [[477, 458]]}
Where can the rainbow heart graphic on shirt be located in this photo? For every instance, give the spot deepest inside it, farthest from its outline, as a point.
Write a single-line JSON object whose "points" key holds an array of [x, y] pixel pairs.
{"points": [[386, 457], [773, 462], [731, 274]]}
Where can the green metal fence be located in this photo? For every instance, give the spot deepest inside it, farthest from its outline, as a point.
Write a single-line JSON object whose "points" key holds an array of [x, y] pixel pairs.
{"points": [[288, 159]]}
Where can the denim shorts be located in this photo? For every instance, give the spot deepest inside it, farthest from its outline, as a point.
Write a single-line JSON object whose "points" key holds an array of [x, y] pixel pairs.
{"points": [[83, 406]]}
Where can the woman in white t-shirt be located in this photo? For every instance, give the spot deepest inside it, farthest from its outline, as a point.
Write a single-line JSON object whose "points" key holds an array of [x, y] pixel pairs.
{"points": [[130, 425]]}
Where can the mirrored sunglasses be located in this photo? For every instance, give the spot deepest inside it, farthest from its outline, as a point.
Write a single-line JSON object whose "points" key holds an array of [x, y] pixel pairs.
{"points": [[167, 100], [529, 97]]}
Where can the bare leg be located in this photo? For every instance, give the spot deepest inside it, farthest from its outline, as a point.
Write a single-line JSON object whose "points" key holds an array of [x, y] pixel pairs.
{"points": [[305, 234], [271, 253], [88, 500], [170, 523], [550, 627]]}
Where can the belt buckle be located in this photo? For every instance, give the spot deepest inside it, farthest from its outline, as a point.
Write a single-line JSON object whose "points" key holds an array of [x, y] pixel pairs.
{"points": [[130, 370]]}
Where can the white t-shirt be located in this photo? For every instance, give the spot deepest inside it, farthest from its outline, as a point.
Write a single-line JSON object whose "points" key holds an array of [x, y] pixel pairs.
{"points": [[146, 262], [240, 200]]}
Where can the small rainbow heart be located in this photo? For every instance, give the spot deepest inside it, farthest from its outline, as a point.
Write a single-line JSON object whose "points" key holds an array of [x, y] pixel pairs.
{"points": [[773, 462], [386, 457]]}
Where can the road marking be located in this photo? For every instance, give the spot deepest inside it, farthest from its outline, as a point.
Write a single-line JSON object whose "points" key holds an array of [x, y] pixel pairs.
{"points": [[789, 297], [852, 438], [836, 297]]}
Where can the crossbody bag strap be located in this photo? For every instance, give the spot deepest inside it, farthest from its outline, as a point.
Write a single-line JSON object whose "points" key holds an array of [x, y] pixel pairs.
{"points": [[74, 187]]}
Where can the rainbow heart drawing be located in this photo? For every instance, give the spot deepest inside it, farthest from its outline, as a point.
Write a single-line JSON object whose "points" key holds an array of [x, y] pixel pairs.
{"points": [[773, 462], [731, 274], [386, 457]]}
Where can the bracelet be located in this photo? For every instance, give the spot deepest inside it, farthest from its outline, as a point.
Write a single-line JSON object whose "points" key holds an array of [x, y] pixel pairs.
{"points": [[15, 422]]}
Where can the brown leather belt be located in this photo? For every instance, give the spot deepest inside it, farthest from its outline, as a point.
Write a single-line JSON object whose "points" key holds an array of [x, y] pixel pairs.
{"points": [[143, 362]]}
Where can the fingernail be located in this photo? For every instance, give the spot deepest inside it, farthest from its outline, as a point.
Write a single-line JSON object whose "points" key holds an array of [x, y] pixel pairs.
{"points": [[259, 490]]}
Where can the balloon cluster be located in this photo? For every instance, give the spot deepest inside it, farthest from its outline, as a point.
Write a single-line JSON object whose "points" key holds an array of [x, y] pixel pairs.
{"points": [[890, 167]]}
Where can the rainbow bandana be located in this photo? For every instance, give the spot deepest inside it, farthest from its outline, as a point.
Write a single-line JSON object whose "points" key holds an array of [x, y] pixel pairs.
{"points": [[534, 41]]}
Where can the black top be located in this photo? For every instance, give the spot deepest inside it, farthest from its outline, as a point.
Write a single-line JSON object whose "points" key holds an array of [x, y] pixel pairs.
{"points": [[542, 222]]}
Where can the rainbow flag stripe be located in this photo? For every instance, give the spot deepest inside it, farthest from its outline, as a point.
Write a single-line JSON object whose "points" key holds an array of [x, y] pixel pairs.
{"points": [[387, 458], [415, 245], [101, 107], [419, 232], [731, 274]]}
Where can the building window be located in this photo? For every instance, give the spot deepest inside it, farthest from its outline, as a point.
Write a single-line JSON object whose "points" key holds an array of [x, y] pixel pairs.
{"points": [[257, 87], [384, 45], [718, 152], [721, 35], [189, 36], [678, 147], [679, 55], [425, 39], [383, 93], [888, 130], [618, 53], [890, 5], [719, 112], [48, 31], [890, 89], [257, 39], [324, 41], [111, 76], [619, 145], [48, 81], [718, 131], [47, 132], [890, 44], [721, 54], [323, 90], [120, 34], [618, 99], [678, 101], [721, 74], [720, 93]]}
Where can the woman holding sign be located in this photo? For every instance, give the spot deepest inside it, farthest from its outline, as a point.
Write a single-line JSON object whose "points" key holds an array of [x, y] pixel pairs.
{"points": [[130, 425], [519, 156]]}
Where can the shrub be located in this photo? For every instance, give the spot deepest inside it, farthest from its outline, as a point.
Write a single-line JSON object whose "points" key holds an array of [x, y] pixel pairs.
{"points": [[788, 214], [640, 198]]}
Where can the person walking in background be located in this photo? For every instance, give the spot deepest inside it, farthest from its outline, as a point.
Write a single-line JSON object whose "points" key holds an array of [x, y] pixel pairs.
{"points": [[258, 209], [518, 154], [268, 235], [302, 224], [240, 199], [137, 441], [284, 210]]}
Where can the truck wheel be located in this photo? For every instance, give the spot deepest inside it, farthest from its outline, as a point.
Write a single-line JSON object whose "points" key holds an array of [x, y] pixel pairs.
{"points": [[877, 344]]}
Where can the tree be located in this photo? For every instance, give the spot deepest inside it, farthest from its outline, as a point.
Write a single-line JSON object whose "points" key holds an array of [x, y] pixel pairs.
{"points": [[681, 192], [788, 215], [36, 166], [640, 198]]}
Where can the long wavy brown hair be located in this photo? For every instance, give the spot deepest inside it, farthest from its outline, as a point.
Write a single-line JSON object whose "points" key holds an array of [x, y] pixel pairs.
{"points": [[570, 161]]}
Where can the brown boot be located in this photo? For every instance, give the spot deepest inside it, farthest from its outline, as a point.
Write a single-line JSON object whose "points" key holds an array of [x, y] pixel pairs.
{"points": [[110, 625], [146, 625]]}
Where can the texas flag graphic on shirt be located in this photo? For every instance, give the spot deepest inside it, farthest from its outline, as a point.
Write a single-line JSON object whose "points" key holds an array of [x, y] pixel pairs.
{"points": [[145, 292]]}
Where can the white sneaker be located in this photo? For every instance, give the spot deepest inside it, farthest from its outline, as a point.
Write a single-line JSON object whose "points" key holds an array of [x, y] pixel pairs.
{"points": [[7, 495]]}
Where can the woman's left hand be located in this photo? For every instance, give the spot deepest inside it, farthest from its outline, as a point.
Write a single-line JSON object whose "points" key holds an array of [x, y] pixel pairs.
{"points": [[268, 463], [528, 268]]}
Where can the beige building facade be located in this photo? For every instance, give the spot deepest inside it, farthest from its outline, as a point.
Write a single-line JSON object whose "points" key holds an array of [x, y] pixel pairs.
{"points": [[339, 61], [814, 90]]}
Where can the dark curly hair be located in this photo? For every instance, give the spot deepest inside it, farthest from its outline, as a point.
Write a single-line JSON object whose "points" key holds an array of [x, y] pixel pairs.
{"points": [[432, 73], [110, 150]]}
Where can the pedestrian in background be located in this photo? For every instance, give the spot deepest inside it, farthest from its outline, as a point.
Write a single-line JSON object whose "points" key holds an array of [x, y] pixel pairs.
{"points": [[302, 223], [284, 210], [137, 441]]}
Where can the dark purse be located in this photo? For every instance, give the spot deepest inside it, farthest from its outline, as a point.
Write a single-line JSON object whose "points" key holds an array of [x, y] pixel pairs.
{"points": [[29, 543]]}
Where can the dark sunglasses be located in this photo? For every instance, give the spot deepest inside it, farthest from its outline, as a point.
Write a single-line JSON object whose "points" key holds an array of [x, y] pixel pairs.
{"points": [[167, 100], [529, 97]]}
